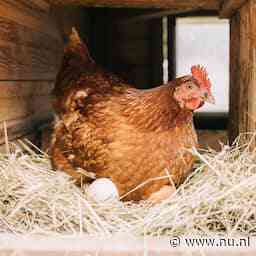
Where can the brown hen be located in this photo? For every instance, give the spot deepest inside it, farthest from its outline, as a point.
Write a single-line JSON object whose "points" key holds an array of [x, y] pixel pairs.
{"points": [[140, 139]]}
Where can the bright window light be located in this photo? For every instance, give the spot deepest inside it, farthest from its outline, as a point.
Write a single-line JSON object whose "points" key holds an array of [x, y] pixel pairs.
{"points": [[205, 41]]}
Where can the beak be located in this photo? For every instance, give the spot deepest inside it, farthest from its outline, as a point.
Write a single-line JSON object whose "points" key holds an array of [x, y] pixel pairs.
{"points": [[207, 97], [210, 99]]}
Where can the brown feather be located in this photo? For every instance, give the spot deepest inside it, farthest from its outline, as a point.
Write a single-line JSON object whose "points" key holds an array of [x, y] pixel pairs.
{"points": [[113, 130]]}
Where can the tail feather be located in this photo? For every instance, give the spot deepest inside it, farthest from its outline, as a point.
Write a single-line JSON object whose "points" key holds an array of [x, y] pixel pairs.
{"points": [[77, 48], [76, 60], [74, 37]]}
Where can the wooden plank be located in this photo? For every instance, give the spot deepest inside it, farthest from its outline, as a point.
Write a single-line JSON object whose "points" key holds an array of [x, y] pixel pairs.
{"points": [[158, 14], [234, 96], [27, 54], [25, 16], [229, 7], [202, 4], [24, 106], [243, 71], [37, 5], [20, 127], [116, 245], [19, 62], [29, 50], [19, 89], [248, 66], [14, 32], [22, 99]]}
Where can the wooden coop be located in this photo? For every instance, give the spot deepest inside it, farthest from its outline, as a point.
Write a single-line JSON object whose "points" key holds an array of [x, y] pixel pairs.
{"points": [[123, 36], [126, 37]]}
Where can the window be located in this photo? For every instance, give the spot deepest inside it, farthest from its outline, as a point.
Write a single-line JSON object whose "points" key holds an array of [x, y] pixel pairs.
{"points": [[205, 41], [200, 40]]}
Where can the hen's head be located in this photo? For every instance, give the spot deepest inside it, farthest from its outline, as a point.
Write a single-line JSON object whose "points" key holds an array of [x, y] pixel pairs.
{"points": [[192, 91]]}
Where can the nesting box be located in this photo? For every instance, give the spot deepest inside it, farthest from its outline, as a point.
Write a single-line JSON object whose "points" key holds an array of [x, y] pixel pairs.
{"points": [[33, 33]]}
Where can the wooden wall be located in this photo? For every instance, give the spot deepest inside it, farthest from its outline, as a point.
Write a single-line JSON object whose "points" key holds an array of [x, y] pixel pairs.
{"points": [[30, 50], [126, 46], [143, 4], [243, 70], [32, 37], [136, 48]]}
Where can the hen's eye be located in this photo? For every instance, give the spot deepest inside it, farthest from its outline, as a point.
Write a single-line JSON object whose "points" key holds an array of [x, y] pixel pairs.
{"points": [[190, 86]]}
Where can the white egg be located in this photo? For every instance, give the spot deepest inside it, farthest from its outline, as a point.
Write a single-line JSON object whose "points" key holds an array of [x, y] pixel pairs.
{"points": [[103, 190]]}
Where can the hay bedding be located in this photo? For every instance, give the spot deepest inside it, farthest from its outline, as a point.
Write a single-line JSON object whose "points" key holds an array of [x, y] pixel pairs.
{"points": [[217, 199]]}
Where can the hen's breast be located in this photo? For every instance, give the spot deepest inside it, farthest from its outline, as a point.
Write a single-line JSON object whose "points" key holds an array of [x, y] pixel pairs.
{"points": [[105, 144], [137, 157]]}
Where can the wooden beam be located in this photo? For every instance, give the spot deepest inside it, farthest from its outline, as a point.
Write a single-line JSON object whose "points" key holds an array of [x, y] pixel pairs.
{"points": [[243, 70], [36, 5], [167, 4], [229, 7], [156, 15], [234, 69]]}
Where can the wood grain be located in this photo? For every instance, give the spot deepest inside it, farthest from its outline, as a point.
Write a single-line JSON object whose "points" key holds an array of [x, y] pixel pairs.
{"points": [[18, 62], [248, 66], [21, 127], [31, 47], [26, 54], [158, 14], [229, 7], [202, 4], [243, 70], [30, 18], [234, 77], [24, 106], [22, 99], [37, 5]]}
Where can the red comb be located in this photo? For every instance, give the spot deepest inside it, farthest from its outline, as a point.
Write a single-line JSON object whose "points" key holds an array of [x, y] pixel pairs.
{"points": [[200, 74]]}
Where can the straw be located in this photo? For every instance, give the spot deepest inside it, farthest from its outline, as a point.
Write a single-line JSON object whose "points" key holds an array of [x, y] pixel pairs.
{"points": [[218, 198]]}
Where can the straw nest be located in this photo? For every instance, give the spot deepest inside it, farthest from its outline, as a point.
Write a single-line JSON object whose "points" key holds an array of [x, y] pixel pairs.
{"points": [[217, 199]]}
